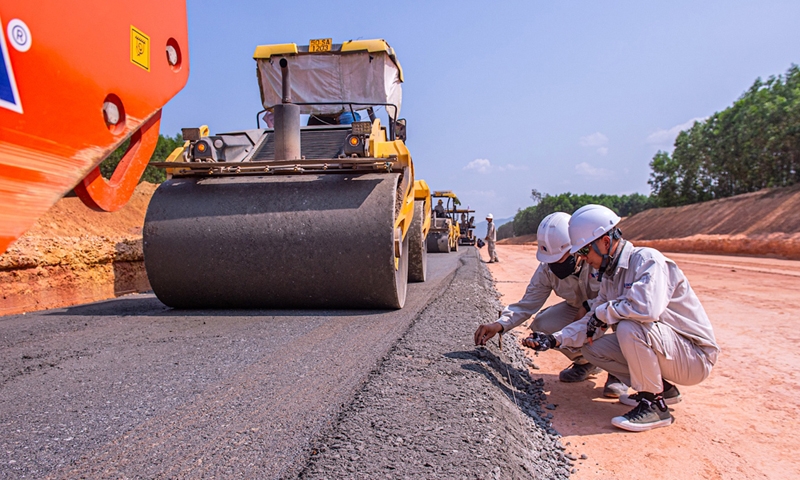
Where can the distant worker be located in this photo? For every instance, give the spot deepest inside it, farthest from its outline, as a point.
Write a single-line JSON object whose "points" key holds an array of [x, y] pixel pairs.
{"points": [[662, 333], [574, 281], [438, 210], [491, 238]]}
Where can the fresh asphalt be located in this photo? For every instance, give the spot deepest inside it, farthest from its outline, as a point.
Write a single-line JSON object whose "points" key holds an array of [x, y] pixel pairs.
{"points": [[131, 388]]}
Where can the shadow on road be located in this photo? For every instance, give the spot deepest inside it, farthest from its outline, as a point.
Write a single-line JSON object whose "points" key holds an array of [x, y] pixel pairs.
{"points": [[147, 305]]}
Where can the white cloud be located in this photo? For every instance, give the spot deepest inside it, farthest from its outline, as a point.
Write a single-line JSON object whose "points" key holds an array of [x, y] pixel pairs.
{"points": [[666, 138], [484, 166], [480, 165], [586, 170], [596, 139]]}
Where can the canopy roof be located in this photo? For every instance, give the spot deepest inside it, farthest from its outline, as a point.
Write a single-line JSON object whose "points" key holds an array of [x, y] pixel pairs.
{"points": [[363, 72]]}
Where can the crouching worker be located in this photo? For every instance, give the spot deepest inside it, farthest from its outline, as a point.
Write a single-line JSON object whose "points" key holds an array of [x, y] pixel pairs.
{"points": [[575, 282], [663, 335]]}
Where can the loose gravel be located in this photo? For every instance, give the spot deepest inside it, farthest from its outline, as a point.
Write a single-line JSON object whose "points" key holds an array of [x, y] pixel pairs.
{"points": [[438, 407]]}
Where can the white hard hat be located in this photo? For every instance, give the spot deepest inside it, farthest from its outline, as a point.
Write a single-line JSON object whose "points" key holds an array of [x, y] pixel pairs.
{"points": [[589, 223], [553, 237], [489, 215]]}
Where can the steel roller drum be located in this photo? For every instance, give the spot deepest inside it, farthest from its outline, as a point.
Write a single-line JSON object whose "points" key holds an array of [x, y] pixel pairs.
{"points": [[282, 241]]}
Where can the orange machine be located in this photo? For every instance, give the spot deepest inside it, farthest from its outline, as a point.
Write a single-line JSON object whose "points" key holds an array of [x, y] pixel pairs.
{"points": [[78, 78]]}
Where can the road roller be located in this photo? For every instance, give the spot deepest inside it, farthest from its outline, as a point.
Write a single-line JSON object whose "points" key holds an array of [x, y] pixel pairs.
{"points": [[318, 208], [444, 231]]}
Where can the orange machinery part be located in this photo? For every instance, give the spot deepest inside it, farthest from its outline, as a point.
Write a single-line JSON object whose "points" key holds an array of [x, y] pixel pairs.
{"points": [[81, 77]]}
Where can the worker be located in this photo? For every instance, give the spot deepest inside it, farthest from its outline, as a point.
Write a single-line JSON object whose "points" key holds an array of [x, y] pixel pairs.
{"points": [[438, 210], [662, 333], [575, 282], [491, 238]]}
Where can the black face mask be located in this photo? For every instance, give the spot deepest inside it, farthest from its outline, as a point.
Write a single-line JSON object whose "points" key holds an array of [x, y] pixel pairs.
{"points": [[564, 269]]}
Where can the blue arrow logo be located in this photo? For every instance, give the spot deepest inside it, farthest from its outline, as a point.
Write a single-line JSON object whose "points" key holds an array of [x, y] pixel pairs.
{"points": [[9, 96]]}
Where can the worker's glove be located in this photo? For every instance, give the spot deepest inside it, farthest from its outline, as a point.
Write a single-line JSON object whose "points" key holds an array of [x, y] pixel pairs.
{"points": [[593, 324], [540, 341]]}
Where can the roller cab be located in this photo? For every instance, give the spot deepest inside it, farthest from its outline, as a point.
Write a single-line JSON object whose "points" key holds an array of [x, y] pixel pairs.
{"points": [[316, 208]]}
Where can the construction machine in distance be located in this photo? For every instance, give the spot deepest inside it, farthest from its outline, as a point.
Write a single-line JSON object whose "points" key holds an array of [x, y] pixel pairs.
{"points": [[324, 215], [77, 79], [445, 231], [466, 225]]}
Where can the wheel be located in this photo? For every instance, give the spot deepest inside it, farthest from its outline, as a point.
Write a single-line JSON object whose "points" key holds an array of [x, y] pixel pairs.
{"points": [[418, 249], [401, 275]]}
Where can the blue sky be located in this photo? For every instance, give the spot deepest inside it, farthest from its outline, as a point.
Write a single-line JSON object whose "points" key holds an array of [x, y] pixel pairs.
{"points": [[503, 97]]}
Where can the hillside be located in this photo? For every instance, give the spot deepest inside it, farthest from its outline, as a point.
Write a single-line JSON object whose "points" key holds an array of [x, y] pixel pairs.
{"points": [[763, 223]]}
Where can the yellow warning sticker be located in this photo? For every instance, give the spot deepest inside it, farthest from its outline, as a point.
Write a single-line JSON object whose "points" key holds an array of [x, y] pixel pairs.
{"points": [[140, 48]]}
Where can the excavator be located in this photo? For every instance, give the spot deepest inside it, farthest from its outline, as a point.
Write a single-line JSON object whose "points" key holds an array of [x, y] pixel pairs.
{"points": [[319, 208], [78, 79]]}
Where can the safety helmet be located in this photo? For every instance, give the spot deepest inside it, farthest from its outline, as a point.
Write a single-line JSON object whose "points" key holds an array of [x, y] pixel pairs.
{"points": [[553, 237], [489, 215], [589, 223]]}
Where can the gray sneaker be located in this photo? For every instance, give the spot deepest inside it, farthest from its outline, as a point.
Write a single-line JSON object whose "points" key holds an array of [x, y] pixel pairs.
{"points": [[614, 388], [645, 416], [578, 373], [671, 397]]}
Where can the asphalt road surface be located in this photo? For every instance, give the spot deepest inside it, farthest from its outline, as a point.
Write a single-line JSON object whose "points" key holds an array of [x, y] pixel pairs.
{"points": [[129, 387]]}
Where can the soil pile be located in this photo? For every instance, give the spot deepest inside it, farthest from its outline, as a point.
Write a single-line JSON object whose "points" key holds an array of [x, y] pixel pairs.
{"points": [[75, 255], [763, 223]]}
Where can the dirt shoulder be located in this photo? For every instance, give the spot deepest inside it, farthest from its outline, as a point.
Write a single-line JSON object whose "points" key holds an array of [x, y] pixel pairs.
{"points": [[74, 255], [739, 423]]}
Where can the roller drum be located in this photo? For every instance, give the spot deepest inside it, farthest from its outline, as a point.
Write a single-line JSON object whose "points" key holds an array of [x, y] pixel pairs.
{"points": [[283, 241]]}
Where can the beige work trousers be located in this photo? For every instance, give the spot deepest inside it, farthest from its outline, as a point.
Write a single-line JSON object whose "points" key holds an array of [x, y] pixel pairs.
{"points": [[492, 251], [553, 319], [641, 354]]}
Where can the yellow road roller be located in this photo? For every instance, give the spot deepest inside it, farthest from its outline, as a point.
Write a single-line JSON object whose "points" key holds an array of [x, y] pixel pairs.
{"points": [[445, 231], [319, 208]]}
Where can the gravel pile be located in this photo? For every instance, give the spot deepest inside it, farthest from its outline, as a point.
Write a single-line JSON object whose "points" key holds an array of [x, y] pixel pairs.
{"points": [[438, 407]]}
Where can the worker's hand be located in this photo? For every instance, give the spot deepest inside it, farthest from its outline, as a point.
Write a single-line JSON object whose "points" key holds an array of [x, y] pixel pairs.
{"points": [[486, 331], [593, 324], [540, 341]]}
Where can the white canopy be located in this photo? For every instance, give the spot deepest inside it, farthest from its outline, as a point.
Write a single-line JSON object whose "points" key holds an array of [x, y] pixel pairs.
{"points": [[358, 77]]}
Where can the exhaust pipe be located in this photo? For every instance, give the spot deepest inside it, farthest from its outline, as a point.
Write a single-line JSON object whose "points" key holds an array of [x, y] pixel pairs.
{"points": [[287, 120]]}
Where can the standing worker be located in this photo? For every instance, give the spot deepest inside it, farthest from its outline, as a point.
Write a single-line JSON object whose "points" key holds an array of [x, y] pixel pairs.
{"points": [[576, 283], [491, 238], [663, 334]]}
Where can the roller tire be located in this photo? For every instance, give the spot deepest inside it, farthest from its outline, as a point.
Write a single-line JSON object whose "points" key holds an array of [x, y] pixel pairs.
{"points": [[418, 248]]}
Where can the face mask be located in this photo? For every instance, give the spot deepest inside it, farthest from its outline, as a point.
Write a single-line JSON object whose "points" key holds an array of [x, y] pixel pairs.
{"points": [[564, 269]]}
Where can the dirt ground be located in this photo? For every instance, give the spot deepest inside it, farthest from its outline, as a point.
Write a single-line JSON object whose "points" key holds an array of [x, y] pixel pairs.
{"points": [[75, 255], [738, 424]]}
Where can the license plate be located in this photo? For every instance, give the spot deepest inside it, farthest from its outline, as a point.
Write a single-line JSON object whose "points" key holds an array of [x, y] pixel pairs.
{"points": [[320, 45]]}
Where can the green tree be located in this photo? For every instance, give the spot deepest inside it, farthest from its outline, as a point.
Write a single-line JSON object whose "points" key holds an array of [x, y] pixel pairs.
{"points": [[753, 144]]}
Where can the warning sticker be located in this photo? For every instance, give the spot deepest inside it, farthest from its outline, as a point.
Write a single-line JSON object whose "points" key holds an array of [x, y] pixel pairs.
{"points": [[140, 48]]}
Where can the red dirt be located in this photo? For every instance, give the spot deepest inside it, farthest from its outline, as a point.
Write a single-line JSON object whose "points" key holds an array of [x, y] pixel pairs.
{"points": [[738, 424], [75, 255], [763, 223]]}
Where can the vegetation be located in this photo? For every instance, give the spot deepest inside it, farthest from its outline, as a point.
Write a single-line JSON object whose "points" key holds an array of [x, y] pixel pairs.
{"points": [[751, 145], [527, 221], [164, 147]]}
